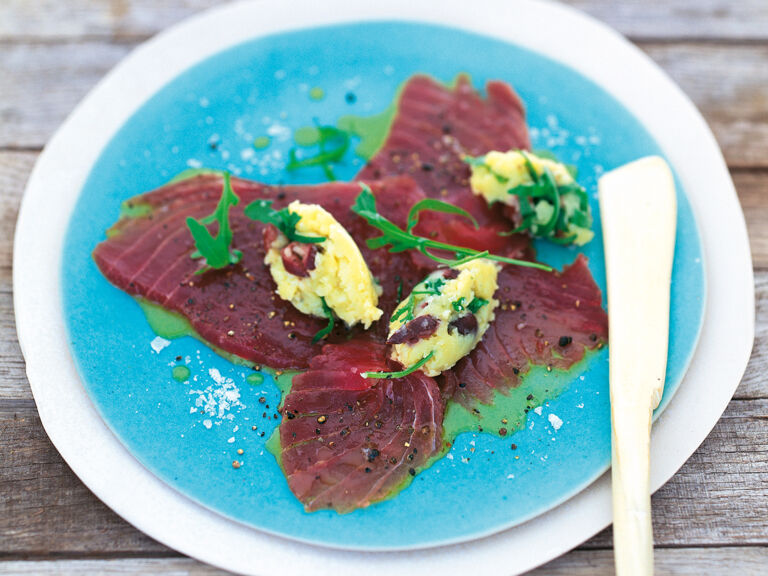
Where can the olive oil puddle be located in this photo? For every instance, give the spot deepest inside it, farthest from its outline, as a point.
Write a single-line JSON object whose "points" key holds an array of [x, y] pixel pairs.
{"points": [[507, 413]]}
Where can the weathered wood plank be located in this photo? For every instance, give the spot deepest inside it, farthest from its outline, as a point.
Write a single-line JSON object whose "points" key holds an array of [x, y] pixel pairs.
{"points": [[14, 171], [679, 561], [22, 20], [43, 83], [728, 83], [755, 382], [44, 507], [49, 19], [752, 187], [15, 168], [679, 19], [719, 497]]}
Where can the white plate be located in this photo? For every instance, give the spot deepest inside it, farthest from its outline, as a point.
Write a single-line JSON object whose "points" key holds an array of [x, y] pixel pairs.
{"points": [[561, 33]]}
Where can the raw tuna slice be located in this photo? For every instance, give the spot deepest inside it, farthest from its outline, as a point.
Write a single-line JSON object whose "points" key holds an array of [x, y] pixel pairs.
{"points": [[236, 309], [436, 126], [543, 318], [348, 441]]}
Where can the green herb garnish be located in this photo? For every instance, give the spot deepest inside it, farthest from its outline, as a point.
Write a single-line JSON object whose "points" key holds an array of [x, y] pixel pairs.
{"points": [[332, 144], [406, 311], [458, 305], [402, 373], [557, 212], [476, 304], [430, 287], [216, 249], [283, 219], [328, 329], [401, 240], [432, 205]]}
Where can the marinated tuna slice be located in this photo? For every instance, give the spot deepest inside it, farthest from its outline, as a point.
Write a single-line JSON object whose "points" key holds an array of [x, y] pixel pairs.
{"points": [[348, 441], [436, 126], [147, 254], [543, 318]]}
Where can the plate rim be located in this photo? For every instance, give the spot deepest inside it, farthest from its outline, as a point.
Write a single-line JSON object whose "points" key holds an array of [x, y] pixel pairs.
{"points": [[589, 510]]}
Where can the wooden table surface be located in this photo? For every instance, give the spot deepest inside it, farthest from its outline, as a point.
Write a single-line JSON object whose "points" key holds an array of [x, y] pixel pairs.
{"points": [[712, 516]]}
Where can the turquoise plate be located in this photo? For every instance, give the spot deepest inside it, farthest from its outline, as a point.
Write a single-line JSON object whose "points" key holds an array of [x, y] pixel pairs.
{"points": [[209, 116]]}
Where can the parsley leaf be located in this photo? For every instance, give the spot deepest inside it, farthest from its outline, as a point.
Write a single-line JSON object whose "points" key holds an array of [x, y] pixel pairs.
{"points": [[328, 329], [400, 240], [459, 305], [476, 304], [406, 311], [430, 287], [216, 249], [283, 219], [402, 373]]}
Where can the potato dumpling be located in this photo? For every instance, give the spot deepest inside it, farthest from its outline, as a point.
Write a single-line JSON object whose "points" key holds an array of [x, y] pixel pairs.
{"points": [[567, 219], [446, 315], [333, 270]]}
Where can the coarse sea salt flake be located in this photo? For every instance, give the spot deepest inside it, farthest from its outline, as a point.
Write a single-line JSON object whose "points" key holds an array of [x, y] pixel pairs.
{"points": [[555, 421], [159, 343], [207, 423], [537, 410]]}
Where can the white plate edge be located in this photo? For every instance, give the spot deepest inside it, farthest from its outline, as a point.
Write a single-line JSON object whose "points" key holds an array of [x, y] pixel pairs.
{"points": [[454, 559]]}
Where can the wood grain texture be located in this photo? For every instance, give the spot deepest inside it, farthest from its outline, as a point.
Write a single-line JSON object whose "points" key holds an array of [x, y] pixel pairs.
{"points": [[677, 561], [44, 508], [52, 77], [752, 187], [24, 20], [711, 518], [728, 83], [14, 171]]}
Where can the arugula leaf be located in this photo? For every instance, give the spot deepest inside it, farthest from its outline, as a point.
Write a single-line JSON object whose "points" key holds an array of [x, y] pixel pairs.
{"points": [[283, 219], [476, 304], [400, 240], [332, 144], [328, 329], [216, 249], [433, 205], [402, 373]]}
